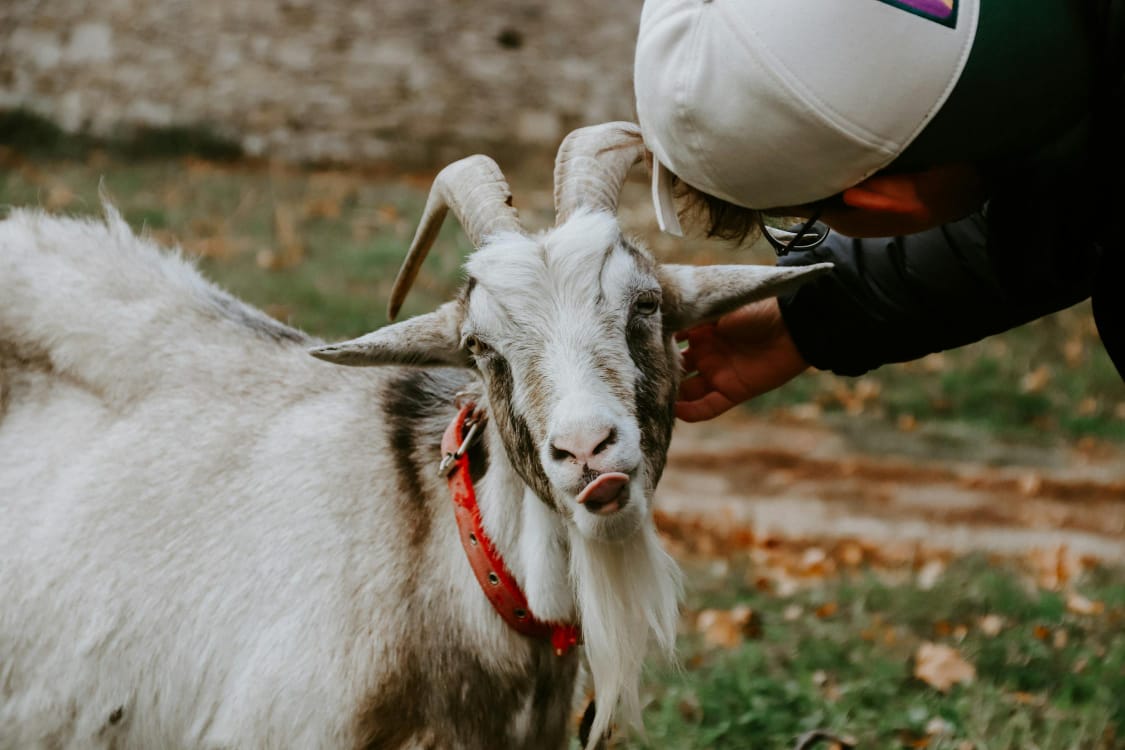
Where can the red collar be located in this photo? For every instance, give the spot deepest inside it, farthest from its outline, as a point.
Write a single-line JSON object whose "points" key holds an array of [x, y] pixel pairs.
{"points": [[498, 584]]}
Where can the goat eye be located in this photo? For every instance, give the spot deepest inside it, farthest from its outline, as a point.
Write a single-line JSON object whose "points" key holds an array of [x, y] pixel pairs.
{"points": [[648, 304], [475, 346]]}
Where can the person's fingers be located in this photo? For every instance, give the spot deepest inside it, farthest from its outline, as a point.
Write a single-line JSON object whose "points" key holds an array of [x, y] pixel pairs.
{"points": [[710, 406], [688, 360], [693, 389], [691, 334]]}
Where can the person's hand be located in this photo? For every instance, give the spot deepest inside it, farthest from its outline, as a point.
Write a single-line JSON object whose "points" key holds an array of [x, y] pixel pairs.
{"points": [[743, 354]]}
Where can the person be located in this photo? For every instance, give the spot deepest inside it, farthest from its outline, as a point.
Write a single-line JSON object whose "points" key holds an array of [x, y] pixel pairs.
{"points": [[966, 155]]}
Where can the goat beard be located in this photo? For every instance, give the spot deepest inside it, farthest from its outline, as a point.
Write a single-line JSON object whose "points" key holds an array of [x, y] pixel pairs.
{"points": [[628, 597]]}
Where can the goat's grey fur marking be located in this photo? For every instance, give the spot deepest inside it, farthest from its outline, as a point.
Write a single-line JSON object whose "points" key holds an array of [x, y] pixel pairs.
{"points": [[5, 388], [256, 321], [407, 399], [481, 703], [523, 451], [653, 405]]}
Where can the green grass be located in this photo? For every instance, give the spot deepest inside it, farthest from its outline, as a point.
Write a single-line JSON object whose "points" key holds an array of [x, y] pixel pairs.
{"points": [[352, 230], [30, 134], [988, 385], [851, 672]]}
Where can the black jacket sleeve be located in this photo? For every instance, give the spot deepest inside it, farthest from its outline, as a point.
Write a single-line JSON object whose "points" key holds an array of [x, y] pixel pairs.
{"points": [[897, 299]]}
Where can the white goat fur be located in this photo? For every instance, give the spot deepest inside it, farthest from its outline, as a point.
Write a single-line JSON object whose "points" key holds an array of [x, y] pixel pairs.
{"points": [[213, 540]]}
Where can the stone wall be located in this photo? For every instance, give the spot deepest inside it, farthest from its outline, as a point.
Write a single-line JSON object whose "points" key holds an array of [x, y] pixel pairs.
{"points": [[359, 81]]}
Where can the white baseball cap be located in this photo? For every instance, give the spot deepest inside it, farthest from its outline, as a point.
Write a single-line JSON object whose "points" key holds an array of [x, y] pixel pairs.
{"points": [[771, 103]]}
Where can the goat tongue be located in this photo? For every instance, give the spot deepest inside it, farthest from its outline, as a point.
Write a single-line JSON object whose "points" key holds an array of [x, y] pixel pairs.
{"points": [[606, 494]]}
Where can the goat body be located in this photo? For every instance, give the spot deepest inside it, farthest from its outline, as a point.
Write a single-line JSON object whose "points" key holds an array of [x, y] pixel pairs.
{"points": [[214, 540], [211, 539]]}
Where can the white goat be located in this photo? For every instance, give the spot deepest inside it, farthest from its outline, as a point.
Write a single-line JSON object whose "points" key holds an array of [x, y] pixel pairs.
{"points": [[212, 540]]}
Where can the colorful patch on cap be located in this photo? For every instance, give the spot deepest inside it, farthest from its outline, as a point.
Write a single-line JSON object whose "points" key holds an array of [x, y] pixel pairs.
{"points": [[941, 11]]}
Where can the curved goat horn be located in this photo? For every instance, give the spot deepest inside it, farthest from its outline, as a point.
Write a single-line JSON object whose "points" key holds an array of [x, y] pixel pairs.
{"points": [[591, 166], [475, 188]]}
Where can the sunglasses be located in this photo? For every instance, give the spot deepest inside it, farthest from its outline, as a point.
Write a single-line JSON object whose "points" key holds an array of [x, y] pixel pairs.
{"points": [[811, 234]]}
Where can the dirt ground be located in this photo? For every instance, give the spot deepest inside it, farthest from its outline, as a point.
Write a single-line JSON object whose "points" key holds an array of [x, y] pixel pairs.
{"points": [[940, 488]]}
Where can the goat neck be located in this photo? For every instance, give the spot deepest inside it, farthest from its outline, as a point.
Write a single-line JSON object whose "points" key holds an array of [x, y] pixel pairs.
{"points": [[531, 538]]}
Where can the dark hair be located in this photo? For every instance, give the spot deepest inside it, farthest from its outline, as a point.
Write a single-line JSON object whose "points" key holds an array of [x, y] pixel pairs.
{"points": [[722, 219]]}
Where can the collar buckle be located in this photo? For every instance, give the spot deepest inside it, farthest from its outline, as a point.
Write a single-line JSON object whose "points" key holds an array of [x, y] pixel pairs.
{"points": [[448, 461]]}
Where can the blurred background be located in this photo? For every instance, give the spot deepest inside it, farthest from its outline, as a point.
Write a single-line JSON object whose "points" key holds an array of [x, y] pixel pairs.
{"points": [[930, 555]]}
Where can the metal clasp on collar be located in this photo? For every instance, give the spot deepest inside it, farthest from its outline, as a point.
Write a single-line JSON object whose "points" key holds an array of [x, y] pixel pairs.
{"points": [[473, 423]]}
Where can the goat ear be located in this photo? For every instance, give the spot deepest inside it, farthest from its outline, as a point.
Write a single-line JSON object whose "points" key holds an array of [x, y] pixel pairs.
{"points": [[693, 294], [427, 340]]}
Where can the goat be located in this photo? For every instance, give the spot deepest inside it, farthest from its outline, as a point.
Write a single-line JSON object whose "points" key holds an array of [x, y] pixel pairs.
{"points": [[214, 540]]}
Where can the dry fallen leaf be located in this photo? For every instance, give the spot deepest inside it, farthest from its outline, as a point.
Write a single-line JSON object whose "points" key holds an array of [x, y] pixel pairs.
{"points": [[991, 625], [386, 215], [287, 236], [690, 708], [826, 610], [1054, 567], [1087, 407], [815, 563], [808, 412], [1036, 380], [58, 197], [850, 554], [911, 739], [935, 363], [929, 574], [728, 628], [322, 207], [216, 246], [938, 725], [1030, 484], [267, 259], [1072, 352], [942, 667], [1080, 605]]}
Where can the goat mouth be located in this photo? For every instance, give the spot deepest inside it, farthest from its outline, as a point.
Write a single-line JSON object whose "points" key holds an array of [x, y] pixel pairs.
{"points": [[607, 494]]}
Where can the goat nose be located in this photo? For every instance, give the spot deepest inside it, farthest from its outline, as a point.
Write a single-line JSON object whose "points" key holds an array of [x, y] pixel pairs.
{"points": [[582, 445]]}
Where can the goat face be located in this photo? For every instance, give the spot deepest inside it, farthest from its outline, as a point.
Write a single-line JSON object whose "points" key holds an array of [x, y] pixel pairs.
{"points": [[571, 333], [571, 330], [565, 331]]}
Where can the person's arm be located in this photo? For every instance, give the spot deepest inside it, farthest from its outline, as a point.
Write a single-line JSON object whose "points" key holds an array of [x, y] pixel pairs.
{"points": [[898, 299], [887, 300]]}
